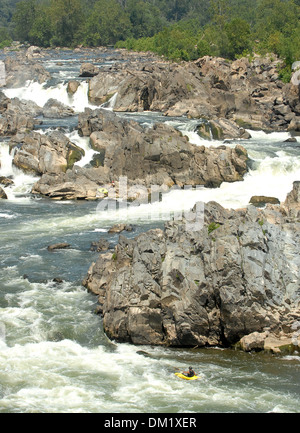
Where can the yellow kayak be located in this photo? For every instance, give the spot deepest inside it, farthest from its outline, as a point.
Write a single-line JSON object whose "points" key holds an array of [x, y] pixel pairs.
{"points": [[182, 376]]}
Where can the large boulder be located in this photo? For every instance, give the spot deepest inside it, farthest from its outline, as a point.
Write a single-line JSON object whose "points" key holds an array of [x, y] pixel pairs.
{"points": [[88, 70], [20, 71], [18, 115], [38, 153], [56, 109], [76, 184], [227, 275]]}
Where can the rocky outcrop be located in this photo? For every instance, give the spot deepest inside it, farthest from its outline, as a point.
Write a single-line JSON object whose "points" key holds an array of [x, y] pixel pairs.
{"points": [[4, 100], [19, 71], [56, 109], [76, 184], [228, 275], [280, 344], [10, 124], [159, 155], [21, 115], [40, 154], [146, 156], [249, 93], [33, 52]]}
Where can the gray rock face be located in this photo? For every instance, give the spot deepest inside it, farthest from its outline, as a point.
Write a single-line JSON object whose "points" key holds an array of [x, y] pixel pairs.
{"points": [[19, 71], [152, 156], [41, 154], [249, 93], [55, 109], [235, 275], [10, 124]]}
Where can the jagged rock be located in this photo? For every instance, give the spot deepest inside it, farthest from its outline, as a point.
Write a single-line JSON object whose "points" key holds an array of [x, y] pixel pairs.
{"points": [[33, 52], [4, 101], [292, 202], [281, 344], [249, 93], [160, 154], [3, 194], [230, 274], [75, 184], [29, 108], [294, 124], [56, 109], [41, 154], [72, 87], [19, 71], [254, 341], [10, 124], [220, 129], [101, 245]]}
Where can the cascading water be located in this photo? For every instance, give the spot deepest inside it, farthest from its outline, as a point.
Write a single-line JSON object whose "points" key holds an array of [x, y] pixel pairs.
{"points": [[54, 356], [40, 94]]}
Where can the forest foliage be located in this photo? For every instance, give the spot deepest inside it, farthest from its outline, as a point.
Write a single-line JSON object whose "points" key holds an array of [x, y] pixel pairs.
{"points": [[176, 29]]}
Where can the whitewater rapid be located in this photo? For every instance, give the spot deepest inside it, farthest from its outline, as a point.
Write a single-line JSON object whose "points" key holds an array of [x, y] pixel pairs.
{"points": [[54, 356], [273, 174]]}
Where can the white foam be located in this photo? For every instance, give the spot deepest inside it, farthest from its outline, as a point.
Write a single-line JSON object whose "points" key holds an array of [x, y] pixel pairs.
{"points": [[40, 94]]}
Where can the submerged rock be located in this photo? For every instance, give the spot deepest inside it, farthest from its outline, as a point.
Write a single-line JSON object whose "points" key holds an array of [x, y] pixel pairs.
{"points": [[261, 200], [59, 246]]}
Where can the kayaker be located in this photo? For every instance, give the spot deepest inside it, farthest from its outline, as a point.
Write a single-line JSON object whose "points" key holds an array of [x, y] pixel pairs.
{"points": [[189, 373]]}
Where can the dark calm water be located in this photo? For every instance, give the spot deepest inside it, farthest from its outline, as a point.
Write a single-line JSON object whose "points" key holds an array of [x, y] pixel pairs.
{"points": [[54, 356]]}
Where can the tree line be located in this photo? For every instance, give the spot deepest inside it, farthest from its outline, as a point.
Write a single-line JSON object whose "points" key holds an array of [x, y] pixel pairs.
{"points": [[176, 29]]}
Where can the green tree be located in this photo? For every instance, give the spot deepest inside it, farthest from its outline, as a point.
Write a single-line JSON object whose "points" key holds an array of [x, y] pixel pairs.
{"points": [[106, 24], [41, 31], [144, 17], [67, 17], [5, 39], [238, 36], [23, 18]]}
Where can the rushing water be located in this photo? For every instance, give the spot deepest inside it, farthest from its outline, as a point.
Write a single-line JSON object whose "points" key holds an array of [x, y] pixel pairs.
{"points": [[54, 356]]}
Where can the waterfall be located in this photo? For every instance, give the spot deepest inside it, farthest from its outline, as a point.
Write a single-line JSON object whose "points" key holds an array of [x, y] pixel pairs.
{"points": [[40, 94], [22, 182]]}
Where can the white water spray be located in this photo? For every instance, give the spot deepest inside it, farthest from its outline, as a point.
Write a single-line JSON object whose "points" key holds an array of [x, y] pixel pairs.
{"points": [[40, 94]]}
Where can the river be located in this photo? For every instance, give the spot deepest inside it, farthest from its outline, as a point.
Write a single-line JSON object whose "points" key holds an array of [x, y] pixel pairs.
{"points": [[54, 356]]}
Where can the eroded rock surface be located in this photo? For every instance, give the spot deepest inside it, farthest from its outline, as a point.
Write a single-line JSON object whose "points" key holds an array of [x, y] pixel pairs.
{"points": [[236, 275]]}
